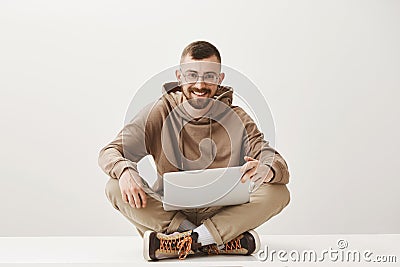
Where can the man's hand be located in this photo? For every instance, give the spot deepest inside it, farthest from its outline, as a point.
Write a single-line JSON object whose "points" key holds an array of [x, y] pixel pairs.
{"points": [[255, 171], [131, 192]]}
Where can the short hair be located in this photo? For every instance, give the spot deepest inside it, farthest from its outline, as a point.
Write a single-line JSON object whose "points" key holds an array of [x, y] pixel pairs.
{"points": [[201, 50]]}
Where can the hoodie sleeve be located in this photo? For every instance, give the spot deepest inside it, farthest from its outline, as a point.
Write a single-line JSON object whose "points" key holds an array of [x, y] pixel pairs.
{"points": [[257, 147], [127, 149]]}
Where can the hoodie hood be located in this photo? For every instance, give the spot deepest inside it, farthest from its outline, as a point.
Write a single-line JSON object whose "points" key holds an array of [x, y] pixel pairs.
{"points": [[172, 93]]}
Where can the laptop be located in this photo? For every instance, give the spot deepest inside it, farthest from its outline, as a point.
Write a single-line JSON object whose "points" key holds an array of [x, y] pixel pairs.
{"points": [[204, 188]]}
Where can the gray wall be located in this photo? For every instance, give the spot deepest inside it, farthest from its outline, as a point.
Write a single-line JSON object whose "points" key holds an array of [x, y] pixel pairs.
{"points": [[329, 70]]}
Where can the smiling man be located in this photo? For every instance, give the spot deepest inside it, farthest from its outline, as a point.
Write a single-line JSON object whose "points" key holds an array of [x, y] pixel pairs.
{"points": [[197, 137], [199, 80]]}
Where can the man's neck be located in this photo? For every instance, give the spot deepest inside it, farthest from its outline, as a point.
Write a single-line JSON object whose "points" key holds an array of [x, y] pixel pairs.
{"points": [[197, 113]]}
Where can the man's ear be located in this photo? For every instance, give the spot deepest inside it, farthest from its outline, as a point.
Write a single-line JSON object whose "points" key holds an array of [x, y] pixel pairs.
{"points": [[178, 76], [221, 77]]}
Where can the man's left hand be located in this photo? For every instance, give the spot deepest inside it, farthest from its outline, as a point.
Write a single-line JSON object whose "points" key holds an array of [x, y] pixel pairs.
{"points": [[255, 171]]}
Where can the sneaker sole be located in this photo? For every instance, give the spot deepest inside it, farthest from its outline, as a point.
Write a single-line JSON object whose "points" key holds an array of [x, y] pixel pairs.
{"points": [[146, 245], [256, 239]]}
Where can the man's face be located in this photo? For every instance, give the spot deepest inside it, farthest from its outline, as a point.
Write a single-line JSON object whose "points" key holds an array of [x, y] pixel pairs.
{"points": [[199, 79]]}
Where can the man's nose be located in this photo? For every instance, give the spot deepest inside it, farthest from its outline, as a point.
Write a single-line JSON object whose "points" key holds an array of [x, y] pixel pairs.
{"points": [[199, 83]]}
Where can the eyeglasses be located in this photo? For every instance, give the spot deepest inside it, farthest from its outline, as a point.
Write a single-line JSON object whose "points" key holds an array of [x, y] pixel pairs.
{"points": [[193, 77]]}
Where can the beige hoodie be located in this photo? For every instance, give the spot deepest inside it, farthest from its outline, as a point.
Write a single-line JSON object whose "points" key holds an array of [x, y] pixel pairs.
{"points": [[177, 142]]}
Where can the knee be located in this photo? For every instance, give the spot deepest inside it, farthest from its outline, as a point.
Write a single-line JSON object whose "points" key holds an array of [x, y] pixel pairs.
{"points": [[285, 196], [273, 196], [113, 191], [282, 196]]}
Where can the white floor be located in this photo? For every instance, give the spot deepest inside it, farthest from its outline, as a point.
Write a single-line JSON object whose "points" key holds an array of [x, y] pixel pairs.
{"points": [[127, 251]]}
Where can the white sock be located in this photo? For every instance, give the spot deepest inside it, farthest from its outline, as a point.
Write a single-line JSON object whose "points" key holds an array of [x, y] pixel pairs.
{"points": [[186, 225], [205, 237]]}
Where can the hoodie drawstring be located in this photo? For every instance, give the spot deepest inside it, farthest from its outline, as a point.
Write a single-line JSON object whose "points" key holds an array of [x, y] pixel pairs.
{"points": [[210, 136]]}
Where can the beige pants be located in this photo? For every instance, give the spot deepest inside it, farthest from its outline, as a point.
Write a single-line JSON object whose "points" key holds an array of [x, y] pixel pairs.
{"points": [[224, 223]]}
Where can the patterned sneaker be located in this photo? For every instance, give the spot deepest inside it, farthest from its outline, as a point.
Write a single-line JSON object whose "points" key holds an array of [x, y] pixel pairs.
{"points": [[245, 244], [159, 246]]}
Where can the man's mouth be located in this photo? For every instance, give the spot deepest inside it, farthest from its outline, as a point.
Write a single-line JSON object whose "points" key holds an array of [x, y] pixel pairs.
{"points": [[200, 94]]}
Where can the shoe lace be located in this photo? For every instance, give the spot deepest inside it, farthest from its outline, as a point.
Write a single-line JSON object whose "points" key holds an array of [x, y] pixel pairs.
{"points": [[233, 244], [181, 245], [212, 249], [184, 246], [229, 246]]}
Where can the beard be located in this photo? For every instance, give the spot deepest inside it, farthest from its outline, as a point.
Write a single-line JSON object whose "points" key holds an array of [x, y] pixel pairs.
{"points": [[198, 102]]}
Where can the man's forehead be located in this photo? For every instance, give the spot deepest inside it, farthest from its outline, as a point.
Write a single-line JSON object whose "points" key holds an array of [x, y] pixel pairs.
{"points": [[210, 64], [201, 66]]}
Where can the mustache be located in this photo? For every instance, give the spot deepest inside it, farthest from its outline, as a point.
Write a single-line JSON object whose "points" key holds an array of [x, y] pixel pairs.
{"points": [[202, 90]]}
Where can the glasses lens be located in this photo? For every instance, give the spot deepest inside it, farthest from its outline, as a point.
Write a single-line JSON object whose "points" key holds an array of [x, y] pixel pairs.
{"points": [[191, 76], [210, 77]]}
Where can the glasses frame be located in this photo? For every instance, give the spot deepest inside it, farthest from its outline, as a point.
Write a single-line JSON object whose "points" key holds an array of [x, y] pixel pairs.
{"points": [[202, 77]]}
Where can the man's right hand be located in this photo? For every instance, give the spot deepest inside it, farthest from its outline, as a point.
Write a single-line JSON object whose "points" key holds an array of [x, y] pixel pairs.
{"points": [[131, 192]]}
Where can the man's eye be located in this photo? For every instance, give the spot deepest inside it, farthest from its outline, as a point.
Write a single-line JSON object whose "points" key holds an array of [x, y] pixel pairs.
{"points": [[210, 76], [191, 75]]}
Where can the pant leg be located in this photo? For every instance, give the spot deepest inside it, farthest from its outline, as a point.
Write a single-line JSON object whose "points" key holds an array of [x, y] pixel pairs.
{"points": [[153, 217], [198, 215], [230, 221]]}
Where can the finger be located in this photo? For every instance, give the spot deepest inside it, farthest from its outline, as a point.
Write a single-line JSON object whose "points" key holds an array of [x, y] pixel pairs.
{"points": [[143, 197], [248, 174], [245, 178], [137, 200], [124, 197], [251, 172], [131, 200], [247, 166], [248, 158]]}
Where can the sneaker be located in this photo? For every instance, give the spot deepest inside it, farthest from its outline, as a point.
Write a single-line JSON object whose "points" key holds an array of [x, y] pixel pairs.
{"points": [[159, 246], [245, 244]]}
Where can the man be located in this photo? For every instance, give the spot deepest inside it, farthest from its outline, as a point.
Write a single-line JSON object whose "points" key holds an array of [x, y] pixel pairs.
{"points": [[186, 129]]}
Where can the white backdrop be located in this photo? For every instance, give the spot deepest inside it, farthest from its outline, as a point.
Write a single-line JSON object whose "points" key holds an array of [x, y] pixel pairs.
{"points": [[329, 69]]}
